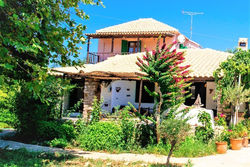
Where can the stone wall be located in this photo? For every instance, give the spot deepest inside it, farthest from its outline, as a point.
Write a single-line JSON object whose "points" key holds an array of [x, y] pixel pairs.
{"points": [[91, 89]]}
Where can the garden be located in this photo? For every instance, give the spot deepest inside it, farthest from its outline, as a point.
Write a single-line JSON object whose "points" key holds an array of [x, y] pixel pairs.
{"points": [[31, 98]]}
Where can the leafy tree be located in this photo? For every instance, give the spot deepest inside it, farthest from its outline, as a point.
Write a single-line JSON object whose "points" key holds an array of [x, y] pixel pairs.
{"points": [[233, 73], [34, 34], [175, 130], [162, 68]]}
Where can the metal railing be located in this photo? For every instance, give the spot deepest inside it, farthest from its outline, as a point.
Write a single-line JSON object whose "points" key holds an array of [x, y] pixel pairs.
{"points": [[96, 57]]}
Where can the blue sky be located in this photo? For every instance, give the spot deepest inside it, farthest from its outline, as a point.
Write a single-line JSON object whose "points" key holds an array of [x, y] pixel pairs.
{"points": [[222, 23]]}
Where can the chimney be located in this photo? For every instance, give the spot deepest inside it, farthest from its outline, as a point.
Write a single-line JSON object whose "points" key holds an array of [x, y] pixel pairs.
{"points": [[243, 43]]}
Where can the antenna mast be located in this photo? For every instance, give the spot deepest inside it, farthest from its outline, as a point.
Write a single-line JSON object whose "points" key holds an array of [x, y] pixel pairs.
{"points": [[191, 14]]}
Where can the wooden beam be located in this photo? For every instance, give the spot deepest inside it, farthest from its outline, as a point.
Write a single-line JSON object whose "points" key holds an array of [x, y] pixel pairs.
{"points": [[140, 96], [164, 39], [138, 43], [112, 45], [88, 50]]}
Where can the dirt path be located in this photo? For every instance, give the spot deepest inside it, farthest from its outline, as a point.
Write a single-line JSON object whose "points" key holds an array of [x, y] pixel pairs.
{"points": [[239, 158]]}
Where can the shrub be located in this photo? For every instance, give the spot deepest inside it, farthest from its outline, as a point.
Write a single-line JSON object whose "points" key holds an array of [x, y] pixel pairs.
{"points": [[61, 143], [96, 112], [174, 131], [128, 127], [49, 130], [192, 147], [204, 132], [101, 136]]}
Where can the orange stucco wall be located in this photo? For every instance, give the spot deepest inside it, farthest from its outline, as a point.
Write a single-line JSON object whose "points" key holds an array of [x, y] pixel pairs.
{"points": [[104, 45]]}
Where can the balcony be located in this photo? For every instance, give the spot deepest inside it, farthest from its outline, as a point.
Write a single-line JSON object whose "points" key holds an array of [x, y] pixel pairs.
{"points": [[96, 57]]}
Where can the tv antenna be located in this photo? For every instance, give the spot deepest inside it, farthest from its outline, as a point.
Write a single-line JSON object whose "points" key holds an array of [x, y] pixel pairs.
{"points": [[191, 14]]}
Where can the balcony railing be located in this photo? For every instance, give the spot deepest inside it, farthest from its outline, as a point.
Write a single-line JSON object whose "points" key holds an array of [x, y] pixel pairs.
{"points": [[95, 57]]}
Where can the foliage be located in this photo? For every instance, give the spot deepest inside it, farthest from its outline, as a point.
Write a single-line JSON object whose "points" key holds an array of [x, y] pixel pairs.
{"points": [[101, 136], [73, 109], [128, 127], [35, 34], [204, 132], [192, 147], [223, 136], [228, 72], [33, 109], [49, 130], [221, 120], [238, 131], [96, 110], [174, 131], [163, 70], [232, 81], [4, 125], [58, 142], [246, 123], [80, 126], [8, 91]]}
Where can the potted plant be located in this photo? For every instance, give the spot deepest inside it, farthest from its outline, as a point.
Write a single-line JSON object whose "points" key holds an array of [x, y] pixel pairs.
{"points": [[235, 138], [243, 133], [221, 142]]}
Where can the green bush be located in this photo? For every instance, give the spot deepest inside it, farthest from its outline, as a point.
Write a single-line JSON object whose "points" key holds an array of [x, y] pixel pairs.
{"points": [[4, 125], [49, 130], [192, 147], [204, 132], [101, 136], [60, 143]]}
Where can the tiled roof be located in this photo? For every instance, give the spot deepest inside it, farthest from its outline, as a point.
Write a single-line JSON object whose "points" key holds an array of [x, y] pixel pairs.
{"points": [[140, 26], [203, 63]]}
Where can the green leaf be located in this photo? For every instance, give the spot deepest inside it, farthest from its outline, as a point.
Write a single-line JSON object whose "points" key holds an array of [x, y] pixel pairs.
{"points": [[1, 3]]}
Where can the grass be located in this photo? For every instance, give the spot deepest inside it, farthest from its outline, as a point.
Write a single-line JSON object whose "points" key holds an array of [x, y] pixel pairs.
{"points": [[23, 158], [189, 148]]}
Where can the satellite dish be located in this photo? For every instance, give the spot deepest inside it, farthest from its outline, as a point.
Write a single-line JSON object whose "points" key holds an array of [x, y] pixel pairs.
{"points": [[181, 39]]}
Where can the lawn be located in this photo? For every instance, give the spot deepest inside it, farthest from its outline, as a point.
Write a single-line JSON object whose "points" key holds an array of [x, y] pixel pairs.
{"points": [[23, 158]]}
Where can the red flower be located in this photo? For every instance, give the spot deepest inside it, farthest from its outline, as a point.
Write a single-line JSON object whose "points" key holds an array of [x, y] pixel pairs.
{"points": [[184, 72], [229, 130], [222, 115]]}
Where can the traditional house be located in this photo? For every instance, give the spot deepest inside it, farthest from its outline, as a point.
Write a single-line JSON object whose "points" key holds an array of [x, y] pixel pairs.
{"points": [[112, 73]]}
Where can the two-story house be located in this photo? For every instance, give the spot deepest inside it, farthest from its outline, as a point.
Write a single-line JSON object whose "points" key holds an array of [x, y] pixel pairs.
{"points": [[111, 73]]}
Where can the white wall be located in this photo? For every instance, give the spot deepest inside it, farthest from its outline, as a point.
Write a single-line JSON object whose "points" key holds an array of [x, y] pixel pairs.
{"points": [[210, 92], [127, 93]]}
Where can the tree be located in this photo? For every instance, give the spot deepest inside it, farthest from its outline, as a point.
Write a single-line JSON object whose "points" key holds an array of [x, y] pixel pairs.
{"points": [[33, 35], [231, 75], [175, 130], [162, 68]]}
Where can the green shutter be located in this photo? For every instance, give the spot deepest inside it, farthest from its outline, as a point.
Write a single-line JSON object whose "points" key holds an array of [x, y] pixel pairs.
{"points": [[140, 46], [124, 46]]}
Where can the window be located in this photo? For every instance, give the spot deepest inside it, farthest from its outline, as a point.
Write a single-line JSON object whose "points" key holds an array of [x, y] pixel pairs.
{"points": [[130, 46], [146, 98]]}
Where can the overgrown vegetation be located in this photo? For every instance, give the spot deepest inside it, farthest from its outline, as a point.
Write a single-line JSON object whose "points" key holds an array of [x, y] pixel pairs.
{"points": [[204, 132], [35, 34], [232, 82]]}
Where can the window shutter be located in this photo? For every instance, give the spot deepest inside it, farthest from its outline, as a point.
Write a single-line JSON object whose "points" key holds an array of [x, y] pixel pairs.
{"points": [[140, 46], [124, 46]]}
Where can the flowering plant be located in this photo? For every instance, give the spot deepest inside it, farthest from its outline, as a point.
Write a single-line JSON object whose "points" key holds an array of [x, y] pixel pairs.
{"points": [[220, 120], [223, 136]]}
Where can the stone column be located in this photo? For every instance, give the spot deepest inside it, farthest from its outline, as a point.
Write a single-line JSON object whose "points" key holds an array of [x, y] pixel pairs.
{"points": [[219, 105], [92, 88]]}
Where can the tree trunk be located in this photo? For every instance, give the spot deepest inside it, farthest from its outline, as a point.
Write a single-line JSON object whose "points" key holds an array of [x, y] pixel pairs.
{"points": [[158, 112], [170, 153]]}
